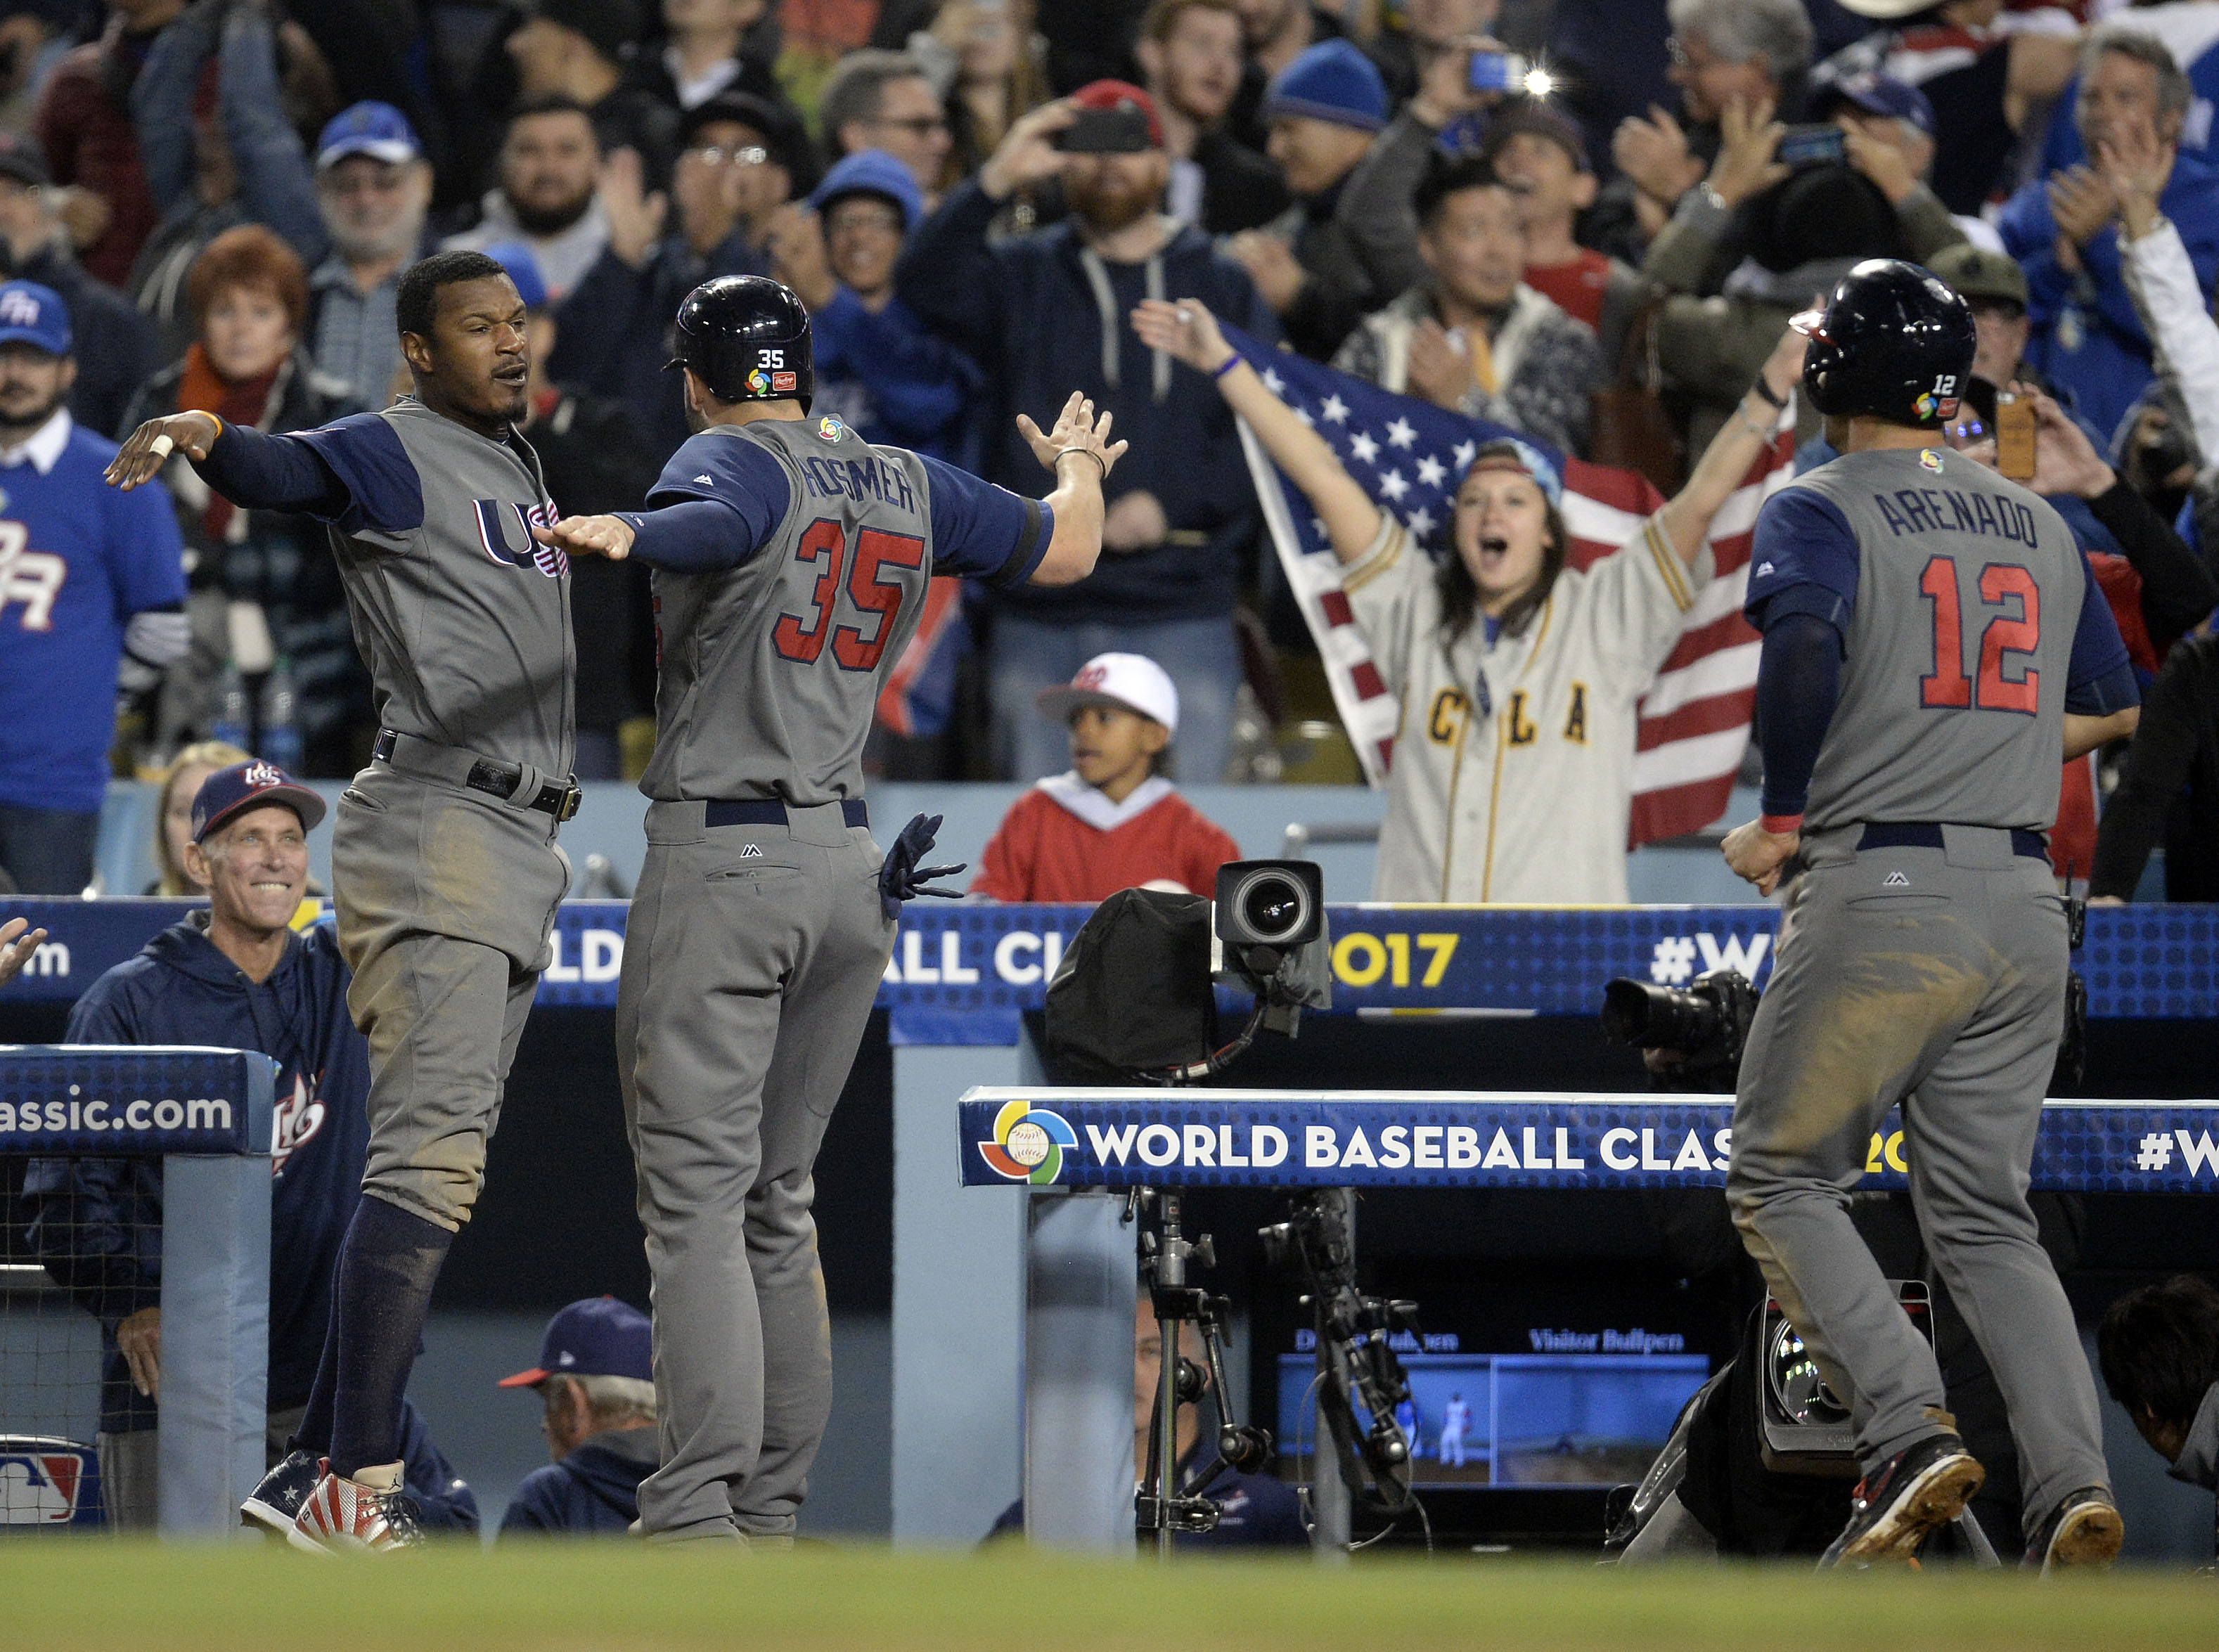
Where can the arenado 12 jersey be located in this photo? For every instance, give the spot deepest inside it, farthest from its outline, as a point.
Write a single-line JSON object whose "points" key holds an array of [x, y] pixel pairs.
{"points": [[773, 659], [1970, 623]]}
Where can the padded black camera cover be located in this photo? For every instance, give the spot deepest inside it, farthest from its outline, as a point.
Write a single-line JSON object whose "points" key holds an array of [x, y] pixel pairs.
{"points": [[1132, 993]]}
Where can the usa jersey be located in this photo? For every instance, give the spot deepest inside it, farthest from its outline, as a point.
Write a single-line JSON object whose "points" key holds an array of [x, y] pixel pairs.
{"points": [[1970, 624], [463, 618], [77, 559], [770, 668]]}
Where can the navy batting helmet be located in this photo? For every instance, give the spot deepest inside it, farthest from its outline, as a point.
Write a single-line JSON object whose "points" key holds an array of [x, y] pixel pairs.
{"points": [[1893, 342], [746, 338]]}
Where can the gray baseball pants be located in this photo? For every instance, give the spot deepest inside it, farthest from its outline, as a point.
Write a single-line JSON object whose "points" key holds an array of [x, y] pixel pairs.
{"points": [[1939, 972], [752, 956], [445, 898]]}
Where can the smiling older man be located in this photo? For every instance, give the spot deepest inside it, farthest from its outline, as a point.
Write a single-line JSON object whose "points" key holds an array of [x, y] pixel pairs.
{"points": [[235, 976]]}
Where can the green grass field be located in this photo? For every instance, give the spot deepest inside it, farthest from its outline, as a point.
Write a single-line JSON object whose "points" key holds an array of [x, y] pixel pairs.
{"points": [[97, 1594]]}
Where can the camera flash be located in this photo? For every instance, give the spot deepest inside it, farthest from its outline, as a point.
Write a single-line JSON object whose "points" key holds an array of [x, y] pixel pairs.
{"points": [[1539, 82]]}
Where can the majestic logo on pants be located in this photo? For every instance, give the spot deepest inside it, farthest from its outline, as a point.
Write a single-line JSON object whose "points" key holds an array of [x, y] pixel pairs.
{"points": [[494, 518], [1028, 1144]]}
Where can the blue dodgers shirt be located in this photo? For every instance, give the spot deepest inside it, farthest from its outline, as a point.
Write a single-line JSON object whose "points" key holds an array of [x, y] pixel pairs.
{"points": [[77, 559]]}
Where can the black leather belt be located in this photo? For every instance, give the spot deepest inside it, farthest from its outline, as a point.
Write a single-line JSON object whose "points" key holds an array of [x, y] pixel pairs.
{"points": [[770, 812], [558, 797], [1921, 835]]}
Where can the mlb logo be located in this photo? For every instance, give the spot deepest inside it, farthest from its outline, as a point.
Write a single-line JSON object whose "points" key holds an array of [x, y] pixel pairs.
{"points": [[45, 1481]]}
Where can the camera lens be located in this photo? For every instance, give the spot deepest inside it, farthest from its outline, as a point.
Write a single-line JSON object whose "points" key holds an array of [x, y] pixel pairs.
{"points": [[1801, 1393], [1273, 906]]}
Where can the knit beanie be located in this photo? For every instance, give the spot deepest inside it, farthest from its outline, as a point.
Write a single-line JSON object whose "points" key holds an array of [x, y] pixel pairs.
{"points": [[1331, 81]]}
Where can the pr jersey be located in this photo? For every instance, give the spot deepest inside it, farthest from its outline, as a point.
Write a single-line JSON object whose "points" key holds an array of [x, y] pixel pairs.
{"points": [[463, 618], [77, 559], [771, 666], [1969, 621], [1513, 777]]}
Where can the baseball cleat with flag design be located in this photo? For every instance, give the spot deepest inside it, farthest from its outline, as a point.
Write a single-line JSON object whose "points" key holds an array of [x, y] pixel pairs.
{"points": [[369, 1514], [275, 1502]]}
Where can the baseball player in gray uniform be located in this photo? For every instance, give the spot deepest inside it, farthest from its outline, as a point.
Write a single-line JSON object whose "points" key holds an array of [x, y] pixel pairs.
{"points": [[1933, 646], [445, 869], [790, 558]]}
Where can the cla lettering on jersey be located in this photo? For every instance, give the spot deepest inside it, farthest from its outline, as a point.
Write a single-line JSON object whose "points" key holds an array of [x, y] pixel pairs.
{"points": [[1924, 510], [865, 481]]}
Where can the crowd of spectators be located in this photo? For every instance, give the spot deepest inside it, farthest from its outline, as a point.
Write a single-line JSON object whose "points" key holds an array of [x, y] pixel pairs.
{"points": [[972, 197]]}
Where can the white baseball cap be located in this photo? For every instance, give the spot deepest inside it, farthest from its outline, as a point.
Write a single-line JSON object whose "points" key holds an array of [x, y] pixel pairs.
{"points": [[1132, 681]]}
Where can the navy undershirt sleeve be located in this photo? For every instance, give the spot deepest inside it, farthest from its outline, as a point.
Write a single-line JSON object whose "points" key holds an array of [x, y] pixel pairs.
{"points": [[2099, 680], [381, 490], [1802, 539], [1799, 681], [695, 536], [743, 483], [271, 472], [983, 531]]}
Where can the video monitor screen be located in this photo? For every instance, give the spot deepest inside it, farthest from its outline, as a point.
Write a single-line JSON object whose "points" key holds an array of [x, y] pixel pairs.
{"points": [[1532, 1383], [1522, 1419]]}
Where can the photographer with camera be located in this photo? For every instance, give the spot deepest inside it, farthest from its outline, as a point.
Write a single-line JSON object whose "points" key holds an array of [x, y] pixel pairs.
{"points": [[1802, 222], [1258, 1510]]}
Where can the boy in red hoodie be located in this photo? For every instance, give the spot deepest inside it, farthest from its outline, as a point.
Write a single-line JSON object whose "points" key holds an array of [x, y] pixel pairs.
{"points": [[1114, 821]]}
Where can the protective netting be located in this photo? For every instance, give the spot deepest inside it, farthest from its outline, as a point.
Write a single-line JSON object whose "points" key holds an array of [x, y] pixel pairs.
{"points": [[80, 1280]]}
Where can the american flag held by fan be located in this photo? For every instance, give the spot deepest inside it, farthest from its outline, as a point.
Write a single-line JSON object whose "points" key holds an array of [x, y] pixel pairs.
{"points": [[1409, 456]]}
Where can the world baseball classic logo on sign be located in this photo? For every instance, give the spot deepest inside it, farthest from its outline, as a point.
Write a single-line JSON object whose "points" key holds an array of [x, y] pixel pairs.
{"points": [[1028, 1144]]}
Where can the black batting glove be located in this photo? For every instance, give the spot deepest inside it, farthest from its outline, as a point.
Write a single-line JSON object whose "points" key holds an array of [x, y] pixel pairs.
{"points": [[900, 878]]}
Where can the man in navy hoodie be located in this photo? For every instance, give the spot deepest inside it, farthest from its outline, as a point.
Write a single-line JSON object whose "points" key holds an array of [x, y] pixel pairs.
{"points": [[1042, 313], [235, 976], [596, 1376]]}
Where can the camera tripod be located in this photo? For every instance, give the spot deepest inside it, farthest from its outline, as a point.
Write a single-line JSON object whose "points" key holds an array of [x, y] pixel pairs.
{"points": [[1160, 1506]]}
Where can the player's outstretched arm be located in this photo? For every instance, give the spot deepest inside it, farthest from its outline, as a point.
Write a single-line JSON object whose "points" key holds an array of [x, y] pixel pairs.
{"points": [[590, 535], [1740, 441], [148, 448], [1080, 453], [1188, 333], [16, 947]]}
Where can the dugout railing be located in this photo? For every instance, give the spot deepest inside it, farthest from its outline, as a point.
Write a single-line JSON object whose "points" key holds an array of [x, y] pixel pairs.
{"points": [[204, 1117]]}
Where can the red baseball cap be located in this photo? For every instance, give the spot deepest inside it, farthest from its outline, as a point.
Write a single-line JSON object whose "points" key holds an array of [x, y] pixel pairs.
{"points": [[1112, 97]]}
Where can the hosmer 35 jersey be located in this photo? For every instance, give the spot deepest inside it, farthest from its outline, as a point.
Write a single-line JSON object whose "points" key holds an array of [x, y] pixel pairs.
{"points": [[1959, 596], [790, 561], [770, 668]]}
